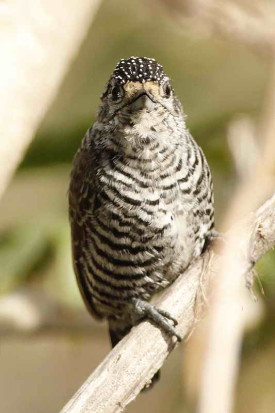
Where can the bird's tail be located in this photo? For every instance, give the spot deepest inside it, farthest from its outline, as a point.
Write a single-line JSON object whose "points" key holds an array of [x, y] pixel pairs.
{"points": [[119, 329]]}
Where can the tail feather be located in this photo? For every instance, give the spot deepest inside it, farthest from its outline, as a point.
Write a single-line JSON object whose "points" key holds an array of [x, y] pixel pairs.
{"points": [[152, 382], [119, 329]]}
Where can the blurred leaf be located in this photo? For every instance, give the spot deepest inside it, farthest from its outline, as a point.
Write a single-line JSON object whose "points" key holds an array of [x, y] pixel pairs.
{"points": [[21, 251], [266, 270], [60, 280]]}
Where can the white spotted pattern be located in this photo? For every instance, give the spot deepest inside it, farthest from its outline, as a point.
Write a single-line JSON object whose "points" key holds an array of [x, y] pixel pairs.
{"points": [[139, 69]]}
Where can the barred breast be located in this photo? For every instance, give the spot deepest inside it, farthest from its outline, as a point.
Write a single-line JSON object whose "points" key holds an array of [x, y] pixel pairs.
{"points": [[140, 213]]}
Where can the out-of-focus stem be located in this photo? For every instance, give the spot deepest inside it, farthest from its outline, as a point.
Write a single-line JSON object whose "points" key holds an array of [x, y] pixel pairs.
{"points": [[38, 41], [225, 323]]}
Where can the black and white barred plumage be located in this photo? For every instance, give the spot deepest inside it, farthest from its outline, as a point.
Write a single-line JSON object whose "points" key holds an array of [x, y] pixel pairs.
{"points": [[141, 197]]}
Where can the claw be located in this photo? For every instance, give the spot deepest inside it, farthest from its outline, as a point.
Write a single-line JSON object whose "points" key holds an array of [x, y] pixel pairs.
{"points": [[158, 316], [215, 235], [214, 238], [166, 314]]}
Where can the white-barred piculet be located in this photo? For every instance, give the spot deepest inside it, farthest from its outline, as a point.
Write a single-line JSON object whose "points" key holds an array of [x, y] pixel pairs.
{"points": [[140, 199]]}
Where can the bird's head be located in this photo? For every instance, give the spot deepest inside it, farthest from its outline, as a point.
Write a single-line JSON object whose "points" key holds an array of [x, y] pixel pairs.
{"points": [[139, 90]]}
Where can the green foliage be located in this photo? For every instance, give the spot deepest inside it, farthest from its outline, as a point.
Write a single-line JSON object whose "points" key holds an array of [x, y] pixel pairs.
{"points": [[23, 250]]}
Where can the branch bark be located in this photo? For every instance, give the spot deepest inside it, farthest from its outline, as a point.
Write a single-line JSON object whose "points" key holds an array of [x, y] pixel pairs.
{"points": [[38, 42], [131, 364]]}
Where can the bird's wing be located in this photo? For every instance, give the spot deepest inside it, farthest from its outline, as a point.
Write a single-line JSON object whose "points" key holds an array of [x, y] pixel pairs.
{"points": [[80, 203]]}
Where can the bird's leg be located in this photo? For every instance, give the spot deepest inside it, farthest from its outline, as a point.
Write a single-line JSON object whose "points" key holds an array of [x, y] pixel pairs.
{"points": [[142, 309]]}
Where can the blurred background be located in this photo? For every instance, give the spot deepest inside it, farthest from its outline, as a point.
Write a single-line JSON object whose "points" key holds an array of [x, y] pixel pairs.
{"points": [[49, 344]]}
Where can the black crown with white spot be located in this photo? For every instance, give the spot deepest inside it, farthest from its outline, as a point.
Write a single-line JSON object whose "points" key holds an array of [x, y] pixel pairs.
{"points": [[138, 69]]}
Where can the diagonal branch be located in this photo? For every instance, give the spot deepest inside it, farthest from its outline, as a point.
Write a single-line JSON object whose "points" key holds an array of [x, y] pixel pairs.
{"points": [[127, 368]]}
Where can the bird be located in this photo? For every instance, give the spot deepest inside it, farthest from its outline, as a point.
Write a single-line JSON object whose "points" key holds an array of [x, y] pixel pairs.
{"points": [[141, 202]]}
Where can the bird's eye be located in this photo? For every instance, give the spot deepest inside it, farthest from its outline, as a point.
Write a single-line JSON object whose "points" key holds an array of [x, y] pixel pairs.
{"points": [[117, 93], [106, 92], [167, 89]]}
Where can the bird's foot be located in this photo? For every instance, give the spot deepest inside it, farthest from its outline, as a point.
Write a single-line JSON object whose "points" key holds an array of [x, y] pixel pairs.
{"points": [[216, 236], [143, 309], [214, 239]]}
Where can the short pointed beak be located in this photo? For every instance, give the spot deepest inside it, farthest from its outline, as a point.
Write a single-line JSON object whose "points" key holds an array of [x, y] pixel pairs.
{"points": [[142, 101]]}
